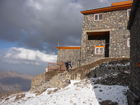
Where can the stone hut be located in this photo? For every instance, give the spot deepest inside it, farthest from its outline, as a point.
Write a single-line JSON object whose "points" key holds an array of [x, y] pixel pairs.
{"points": [[69, 53], [105, 33], [134, 27]]}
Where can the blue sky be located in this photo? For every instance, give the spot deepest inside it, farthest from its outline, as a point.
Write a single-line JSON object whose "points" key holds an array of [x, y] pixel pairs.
{"points": [[5, 44]]}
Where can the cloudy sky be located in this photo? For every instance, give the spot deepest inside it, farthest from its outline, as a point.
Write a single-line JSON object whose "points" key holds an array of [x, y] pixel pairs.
{"points": [[38, 25], [25, 61]]}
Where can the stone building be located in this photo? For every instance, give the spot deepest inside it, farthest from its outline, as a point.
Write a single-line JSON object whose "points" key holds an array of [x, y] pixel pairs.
{"points": [[134, 27], [105, 32], [68, 53]]}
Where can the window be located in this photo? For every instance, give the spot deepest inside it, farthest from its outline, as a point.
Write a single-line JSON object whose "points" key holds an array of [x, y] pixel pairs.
{"points": [[99, 50], [128, 12], [98, 17], [128, 42]]}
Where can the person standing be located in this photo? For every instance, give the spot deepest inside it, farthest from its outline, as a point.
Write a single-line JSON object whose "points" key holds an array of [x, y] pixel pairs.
{"points": [[68, 65]]}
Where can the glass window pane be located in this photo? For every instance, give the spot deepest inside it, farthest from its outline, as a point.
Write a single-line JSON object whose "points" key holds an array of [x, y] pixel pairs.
{"points": [[96, 17], [100, 16]]}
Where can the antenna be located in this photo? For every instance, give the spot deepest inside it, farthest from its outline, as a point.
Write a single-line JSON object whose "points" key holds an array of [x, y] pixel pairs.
{"points": [[58, 44]]}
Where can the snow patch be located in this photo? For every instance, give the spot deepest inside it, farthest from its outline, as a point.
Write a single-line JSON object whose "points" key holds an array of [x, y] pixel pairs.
{"points": [[73, 94]]}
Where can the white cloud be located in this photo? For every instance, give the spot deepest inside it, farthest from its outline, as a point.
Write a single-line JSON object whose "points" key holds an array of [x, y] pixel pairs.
{"points": [[25, 60], [27, 54], [104, 1]]}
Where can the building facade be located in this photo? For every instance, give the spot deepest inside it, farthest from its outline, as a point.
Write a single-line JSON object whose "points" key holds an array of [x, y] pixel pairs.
{"points": [[134, 27], [68, 53], [105, 32]]}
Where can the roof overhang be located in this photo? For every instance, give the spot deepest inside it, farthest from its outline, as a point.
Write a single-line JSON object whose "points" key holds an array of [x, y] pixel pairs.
{"points": [[98, 33], [67, 47], [115, 6], [122, 3]]}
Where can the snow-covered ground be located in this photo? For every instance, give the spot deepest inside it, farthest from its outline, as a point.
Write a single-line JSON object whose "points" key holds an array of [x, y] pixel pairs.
{"points": [[77, 93]]}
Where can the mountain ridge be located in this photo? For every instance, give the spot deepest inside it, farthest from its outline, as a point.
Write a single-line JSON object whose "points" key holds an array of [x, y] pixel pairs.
{"points": [[12, 82]]}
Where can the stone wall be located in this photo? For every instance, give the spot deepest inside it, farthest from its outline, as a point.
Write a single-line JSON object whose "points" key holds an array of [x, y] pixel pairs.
{"points": [[116, 23], [112, 73], [72, 55], [91, 45], [111, 68], [102, 67], [134, 92], [135, 52]]}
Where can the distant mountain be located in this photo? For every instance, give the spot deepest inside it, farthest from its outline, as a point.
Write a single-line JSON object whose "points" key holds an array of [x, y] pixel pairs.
{"points": [[11, 82]]}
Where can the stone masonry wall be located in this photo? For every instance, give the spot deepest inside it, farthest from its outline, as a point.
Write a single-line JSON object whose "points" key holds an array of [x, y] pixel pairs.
{"points": [[111, 68], [134, 92], [72, 55], [116, 23]]}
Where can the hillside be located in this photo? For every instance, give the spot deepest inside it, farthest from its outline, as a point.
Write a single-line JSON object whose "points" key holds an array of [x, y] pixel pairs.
{"points": [[83, 92], [102, 84], [11, 82]]}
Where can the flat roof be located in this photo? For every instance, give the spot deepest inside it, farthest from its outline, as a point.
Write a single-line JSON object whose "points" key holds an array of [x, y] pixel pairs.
{"points": [[114, 7], [69, 47]]}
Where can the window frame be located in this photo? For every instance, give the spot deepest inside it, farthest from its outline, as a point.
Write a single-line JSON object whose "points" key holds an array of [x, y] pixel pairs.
{"points": [[128, 12], [98, 17], [128, 42], [99, 52]]}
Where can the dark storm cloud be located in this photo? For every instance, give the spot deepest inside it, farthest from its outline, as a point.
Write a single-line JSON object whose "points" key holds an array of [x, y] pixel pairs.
{"points": [[41, 24]]}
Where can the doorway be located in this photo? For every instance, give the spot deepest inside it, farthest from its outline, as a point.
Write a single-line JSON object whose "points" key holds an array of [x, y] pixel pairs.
{"points": [[101, 36]]}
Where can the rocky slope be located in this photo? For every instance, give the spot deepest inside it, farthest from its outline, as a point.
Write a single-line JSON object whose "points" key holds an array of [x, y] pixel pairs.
{"points": [[104, 84]]}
